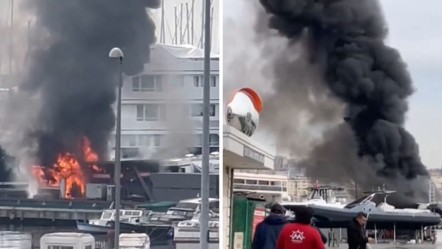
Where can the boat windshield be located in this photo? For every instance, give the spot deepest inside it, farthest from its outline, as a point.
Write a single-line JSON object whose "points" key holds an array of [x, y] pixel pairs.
{"points": [[187, 205], [376, 198], [196, 216], [107, 215]]}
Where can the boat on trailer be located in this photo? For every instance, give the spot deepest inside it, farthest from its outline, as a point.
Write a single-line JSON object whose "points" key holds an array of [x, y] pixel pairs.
{"points": [[381, 215]]}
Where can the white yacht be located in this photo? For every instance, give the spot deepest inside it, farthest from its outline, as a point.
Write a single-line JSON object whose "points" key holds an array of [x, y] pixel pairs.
{"points": [[104, 224], [187, 233]]}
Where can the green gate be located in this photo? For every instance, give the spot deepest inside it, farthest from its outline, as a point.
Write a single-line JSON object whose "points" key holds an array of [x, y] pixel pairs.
{"points": [[243, 215]]}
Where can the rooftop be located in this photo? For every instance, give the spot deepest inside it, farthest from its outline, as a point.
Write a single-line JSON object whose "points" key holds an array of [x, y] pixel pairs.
{"points": [[183, 51]]}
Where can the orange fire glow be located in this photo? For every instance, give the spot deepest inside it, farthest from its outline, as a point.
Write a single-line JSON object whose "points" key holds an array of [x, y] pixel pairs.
{"points": [[68, 168], [89, 154]]}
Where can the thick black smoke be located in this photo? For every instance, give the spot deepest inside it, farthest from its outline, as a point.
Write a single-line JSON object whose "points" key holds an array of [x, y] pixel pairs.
{"points": [[347, 42], [70, 72], [6, 169]]}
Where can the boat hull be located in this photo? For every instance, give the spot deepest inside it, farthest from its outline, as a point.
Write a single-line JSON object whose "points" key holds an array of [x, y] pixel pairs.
{"points": [[160, 234], [95, 229], [328, 217]]}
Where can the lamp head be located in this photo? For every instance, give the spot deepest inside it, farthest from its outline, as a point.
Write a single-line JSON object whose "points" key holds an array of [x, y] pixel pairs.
{"points": [[116, 53]]}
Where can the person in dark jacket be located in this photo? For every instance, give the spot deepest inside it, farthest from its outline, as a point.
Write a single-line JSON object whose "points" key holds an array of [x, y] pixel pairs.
{"points": [[267, 232], [356, 232]]}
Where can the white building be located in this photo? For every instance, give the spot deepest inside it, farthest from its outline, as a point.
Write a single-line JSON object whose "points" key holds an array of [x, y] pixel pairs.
{"points": [[162, 106], [271, 187], [240, 152]]}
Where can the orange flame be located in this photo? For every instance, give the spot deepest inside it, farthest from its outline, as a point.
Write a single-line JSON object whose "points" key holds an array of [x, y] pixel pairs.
{"points": [[89, 154], [68, 168], [91, 157]]}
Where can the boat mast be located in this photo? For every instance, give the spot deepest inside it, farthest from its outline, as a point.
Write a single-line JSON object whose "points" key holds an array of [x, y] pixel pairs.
{"points": [[11, 32]]}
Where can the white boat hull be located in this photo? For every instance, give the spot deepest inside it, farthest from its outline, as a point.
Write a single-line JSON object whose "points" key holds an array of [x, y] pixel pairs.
{"points": [[89, 228]]}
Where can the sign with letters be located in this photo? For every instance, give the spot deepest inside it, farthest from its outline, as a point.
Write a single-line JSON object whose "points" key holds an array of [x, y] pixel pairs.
{"points": [[254, 155]]}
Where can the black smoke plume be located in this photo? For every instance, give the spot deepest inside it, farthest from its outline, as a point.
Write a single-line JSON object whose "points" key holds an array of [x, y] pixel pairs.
{"points": [[346, 40], [70, 74]]}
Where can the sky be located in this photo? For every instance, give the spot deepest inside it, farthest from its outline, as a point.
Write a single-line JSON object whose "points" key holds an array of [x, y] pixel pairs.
{"points": [[20, 26], [169, 10], [414, 31]]}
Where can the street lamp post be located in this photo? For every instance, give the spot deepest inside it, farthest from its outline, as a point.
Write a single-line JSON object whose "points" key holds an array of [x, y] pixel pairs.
{"points": [[117, 54]]}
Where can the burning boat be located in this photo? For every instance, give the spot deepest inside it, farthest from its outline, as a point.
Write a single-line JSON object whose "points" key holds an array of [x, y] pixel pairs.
{"points": [[68, 173]]}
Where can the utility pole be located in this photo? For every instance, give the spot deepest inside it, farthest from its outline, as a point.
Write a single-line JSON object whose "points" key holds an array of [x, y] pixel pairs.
{"points": [[205, 180]]}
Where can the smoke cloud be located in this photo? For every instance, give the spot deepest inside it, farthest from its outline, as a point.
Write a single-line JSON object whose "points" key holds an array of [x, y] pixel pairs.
{"points": [[295, 115], [69, 87], [345, 52]]}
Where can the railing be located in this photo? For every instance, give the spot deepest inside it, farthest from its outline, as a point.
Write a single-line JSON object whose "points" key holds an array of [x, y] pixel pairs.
{"points": [[102, 245], [259, 187]]}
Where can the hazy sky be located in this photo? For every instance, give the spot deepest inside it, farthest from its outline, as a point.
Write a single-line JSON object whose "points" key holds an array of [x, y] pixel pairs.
{"points": [[169, 20], [416, 32], [20, 25]]}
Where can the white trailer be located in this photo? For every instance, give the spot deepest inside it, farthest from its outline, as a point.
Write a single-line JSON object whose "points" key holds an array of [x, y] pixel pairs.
{"points": [[67, 241]]}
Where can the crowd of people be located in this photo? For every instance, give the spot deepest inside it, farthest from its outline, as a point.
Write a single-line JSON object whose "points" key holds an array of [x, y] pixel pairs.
{"points": [[276, 232]]}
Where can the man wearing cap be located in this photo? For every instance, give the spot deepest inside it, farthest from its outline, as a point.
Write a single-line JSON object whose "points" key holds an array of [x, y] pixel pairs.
{"points": [[267, 232], [300, 234], [356, 232]]}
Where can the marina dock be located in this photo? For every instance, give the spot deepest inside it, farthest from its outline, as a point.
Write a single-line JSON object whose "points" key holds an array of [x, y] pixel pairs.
{"points": [[48, 212]]}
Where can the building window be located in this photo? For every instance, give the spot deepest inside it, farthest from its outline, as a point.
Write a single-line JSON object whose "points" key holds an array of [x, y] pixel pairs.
{"points": [[240, 181], [197, 110], [197, 82], [136, 83], [149, 140], [213, 81], [263, 183], [252, 182], [128, 140], [214, 140], [198, 140], [147, 112], [147, 83]]}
